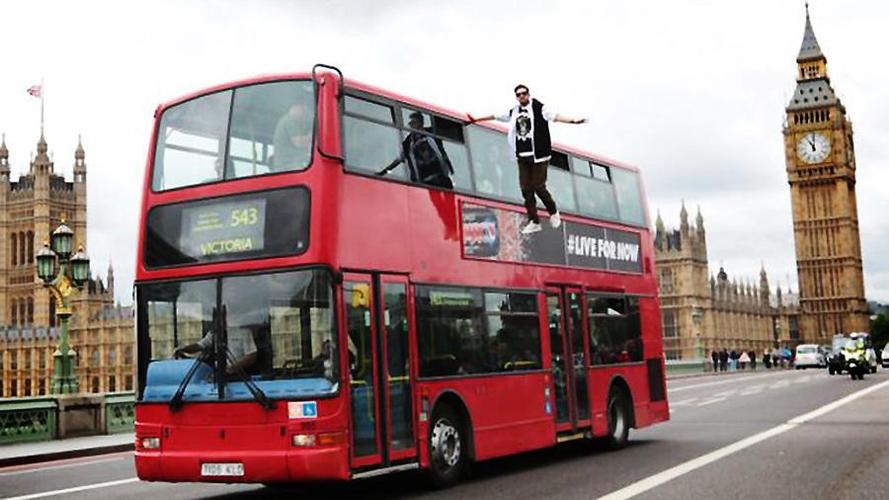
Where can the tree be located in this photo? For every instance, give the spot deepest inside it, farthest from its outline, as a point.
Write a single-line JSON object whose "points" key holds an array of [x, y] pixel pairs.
{"points": [[879, 330]]}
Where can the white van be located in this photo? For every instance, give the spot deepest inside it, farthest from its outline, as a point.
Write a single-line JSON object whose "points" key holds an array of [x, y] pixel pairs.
{"points": [[808, 355]]}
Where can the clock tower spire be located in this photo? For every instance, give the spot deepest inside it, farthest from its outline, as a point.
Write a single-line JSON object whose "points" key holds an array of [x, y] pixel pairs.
{"points": [[820, 159]]}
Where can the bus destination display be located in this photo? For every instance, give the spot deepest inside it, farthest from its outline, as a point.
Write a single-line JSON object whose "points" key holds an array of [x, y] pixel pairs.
{"points": [[224, 228]]}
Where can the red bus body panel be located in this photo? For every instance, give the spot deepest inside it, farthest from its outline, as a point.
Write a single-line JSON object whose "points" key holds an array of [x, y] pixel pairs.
{"points": [[365, 224]]}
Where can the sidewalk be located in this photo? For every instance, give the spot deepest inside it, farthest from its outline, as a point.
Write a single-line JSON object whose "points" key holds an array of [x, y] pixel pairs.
{"points": [[44, 451], [726, 373]]}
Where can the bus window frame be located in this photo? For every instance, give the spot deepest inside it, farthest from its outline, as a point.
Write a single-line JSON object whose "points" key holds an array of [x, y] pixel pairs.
{"points": [[231, 104], [531, 291], [397, 107], [141, 352], [592, 293]]}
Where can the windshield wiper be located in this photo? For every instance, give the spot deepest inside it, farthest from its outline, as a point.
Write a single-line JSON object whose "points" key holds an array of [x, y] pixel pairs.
{"points": [[254, 389], [176, 401]]}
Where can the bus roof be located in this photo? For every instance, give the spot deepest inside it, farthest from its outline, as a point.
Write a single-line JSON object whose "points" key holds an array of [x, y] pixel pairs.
{"points": [[371, 89]]}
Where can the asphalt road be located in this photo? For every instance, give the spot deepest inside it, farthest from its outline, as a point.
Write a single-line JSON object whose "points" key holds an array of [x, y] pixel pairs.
{"points": [[757, 435]]}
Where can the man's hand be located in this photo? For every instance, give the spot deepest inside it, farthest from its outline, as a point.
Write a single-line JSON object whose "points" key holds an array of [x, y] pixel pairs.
{"points": [[579, 121], [471, 118]]}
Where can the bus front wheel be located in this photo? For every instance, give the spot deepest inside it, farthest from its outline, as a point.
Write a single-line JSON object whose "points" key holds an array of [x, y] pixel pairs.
{"points": [[447, 447], [618, 420]]}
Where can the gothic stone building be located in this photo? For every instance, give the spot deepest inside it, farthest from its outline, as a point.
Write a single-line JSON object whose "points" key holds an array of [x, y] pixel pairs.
{"points": [[100, 332], [820, 157], [701, 313]]}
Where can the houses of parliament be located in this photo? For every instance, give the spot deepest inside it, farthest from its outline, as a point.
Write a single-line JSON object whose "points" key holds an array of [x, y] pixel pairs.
{"points": [[702, 312], [101, 333]]}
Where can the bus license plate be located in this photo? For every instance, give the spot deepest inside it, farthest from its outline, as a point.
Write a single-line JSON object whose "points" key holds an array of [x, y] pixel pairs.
{"points": [[222, 470]]}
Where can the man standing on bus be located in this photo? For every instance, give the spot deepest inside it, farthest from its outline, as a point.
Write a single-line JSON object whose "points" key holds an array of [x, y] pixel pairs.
{"points": [[530, 141]]}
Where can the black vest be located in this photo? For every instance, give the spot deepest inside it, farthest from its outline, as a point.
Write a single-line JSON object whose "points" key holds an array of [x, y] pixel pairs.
{"points": [[543, 147]]}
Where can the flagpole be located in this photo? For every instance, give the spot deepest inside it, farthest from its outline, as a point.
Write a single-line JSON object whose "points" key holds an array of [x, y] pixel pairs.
{"points": [[42, 92]]}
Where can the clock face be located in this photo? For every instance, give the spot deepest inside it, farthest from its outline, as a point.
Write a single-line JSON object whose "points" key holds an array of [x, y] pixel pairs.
{"points": [[813, 147]]}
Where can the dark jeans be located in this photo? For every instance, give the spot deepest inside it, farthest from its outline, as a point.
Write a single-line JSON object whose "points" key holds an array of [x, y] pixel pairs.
{"points": [[532, 179]]}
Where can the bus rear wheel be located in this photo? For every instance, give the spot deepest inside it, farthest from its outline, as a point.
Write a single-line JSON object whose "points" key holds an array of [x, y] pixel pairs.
{"points": [[618, 420], [447, 447]]}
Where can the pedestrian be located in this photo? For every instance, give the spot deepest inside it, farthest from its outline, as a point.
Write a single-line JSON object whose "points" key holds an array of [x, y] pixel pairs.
{"points": [[766, 359], [777, 360], [752, 355], [714, 356], [723, 360], [744, 358], [530, 142], [733, 357]]}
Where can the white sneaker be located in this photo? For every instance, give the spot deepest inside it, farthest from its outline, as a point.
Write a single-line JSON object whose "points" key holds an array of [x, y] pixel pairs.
{"points": [[531, 228], [555, 220]]}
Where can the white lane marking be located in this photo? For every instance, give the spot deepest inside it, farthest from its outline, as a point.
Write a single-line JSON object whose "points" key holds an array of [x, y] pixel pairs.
{"points": [[660, 478], [728, 381], [683, 402], [724, 394], [756, 389], [62, 466], [710, 401], [75, 489]]}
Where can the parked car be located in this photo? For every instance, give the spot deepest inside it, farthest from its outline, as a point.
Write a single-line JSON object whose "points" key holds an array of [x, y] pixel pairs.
{"points": [[808, 356], [836, 361]]}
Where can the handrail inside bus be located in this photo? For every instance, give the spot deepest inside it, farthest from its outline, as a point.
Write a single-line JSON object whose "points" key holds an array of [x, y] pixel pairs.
{"points": [[338, 94]]}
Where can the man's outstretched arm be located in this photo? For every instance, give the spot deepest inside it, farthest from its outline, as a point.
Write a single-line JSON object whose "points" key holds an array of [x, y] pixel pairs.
{"points": [[473, 119], [567, 119]]}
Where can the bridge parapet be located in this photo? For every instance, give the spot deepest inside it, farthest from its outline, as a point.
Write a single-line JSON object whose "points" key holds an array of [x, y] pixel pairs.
{"points": [[57, 417]]}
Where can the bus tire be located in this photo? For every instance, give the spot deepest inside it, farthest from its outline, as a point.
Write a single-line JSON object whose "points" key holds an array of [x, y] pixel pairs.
{"points": [[448, 447], [618, 413]]}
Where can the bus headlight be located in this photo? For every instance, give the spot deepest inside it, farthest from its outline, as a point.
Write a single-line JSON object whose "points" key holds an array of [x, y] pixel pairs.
{"points": [[303, 440], [151, 443]]}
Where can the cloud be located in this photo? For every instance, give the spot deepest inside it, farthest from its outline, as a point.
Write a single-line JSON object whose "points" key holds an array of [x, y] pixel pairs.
{"points": [[692, 92]]}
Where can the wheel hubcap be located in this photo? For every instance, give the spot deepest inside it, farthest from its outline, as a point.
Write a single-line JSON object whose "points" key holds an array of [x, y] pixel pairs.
{"points": [[446, 446]]}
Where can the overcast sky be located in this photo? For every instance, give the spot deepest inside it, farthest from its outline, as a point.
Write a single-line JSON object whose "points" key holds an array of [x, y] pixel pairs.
{"points": [[693, 92]]}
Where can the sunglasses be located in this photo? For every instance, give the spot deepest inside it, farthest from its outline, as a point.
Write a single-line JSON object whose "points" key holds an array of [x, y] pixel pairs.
{"points": [[521, 94]]}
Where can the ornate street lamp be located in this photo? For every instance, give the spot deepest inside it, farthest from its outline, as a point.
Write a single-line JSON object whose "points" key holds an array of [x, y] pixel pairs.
{"points": [[63, 274]]}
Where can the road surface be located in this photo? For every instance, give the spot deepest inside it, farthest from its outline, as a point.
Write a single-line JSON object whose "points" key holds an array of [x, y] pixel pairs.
{"points": [[790, 434]]}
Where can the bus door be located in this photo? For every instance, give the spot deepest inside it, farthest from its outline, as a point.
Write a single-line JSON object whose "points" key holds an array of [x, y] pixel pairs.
{"points": [[379, 380], [570, 360]]}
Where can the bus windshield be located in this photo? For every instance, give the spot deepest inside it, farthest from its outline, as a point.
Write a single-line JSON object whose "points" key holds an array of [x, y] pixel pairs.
{"points": [[242, 132], [278, 328]]}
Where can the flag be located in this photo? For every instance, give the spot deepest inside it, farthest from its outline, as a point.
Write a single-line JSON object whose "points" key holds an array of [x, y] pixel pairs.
{"points": [[35, 90]]}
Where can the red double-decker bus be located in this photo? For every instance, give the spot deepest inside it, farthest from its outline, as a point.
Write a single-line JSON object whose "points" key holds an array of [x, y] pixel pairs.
{"points": [[332, 283]]}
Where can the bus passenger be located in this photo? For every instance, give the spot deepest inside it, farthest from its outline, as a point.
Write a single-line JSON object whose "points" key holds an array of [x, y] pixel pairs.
{"points": [[425, 155], [530, 142], [293, 139]]}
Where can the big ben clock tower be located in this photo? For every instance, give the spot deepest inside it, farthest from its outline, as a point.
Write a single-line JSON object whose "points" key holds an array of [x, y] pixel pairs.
{"points": [[820, 158]]}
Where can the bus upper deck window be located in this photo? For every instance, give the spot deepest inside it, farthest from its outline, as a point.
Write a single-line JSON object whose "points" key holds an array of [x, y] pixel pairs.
{"points": [[255, 130]]}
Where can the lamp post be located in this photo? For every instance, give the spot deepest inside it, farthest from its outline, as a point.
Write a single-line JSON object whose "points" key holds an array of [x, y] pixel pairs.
{"points": [[63, 274]]}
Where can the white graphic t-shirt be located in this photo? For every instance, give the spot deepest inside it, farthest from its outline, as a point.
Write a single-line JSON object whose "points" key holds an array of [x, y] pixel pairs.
{"points": [[521, 130], [524, 132]]}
